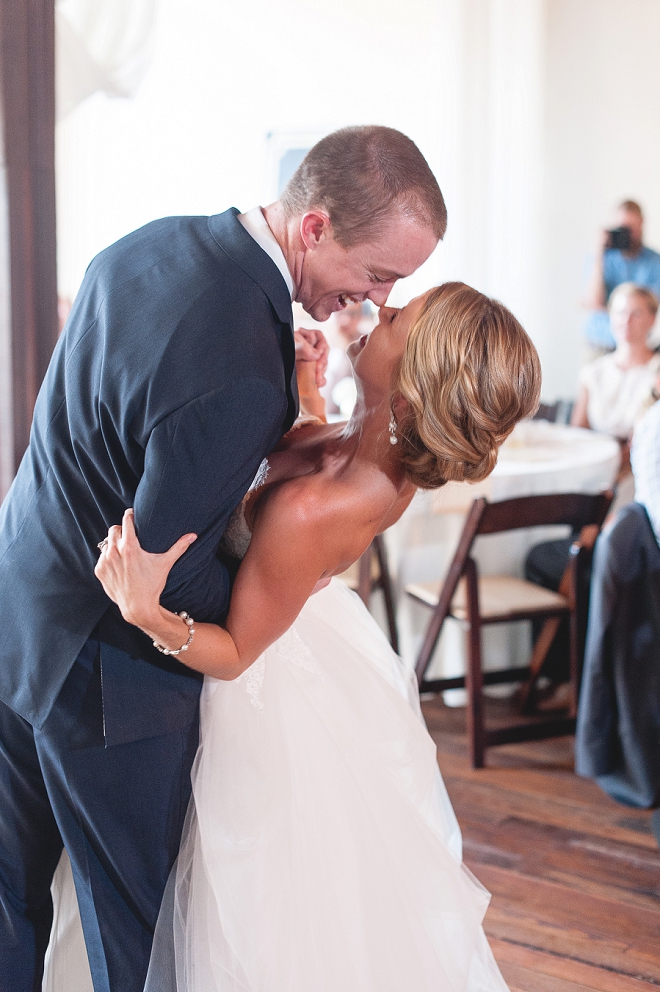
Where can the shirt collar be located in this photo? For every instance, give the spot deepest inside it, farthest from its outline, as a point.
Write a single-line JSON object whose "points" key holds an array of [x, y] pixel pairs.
{"points": [[257, 227]]}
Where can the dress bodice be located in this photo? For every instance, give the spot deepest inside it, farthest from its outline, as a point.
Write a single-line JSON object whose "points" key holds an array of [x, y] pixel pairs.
{"points": [[236, 539]]}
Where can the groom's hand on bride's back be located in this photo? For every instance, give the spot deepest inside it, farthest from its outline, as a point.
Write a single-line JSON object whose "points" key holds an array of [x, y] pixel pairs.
{"points": [[311, 346]]}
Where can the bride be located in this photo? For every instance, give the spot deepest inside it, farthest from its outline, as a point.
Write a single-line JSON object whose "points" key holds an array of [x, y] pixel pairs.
{"points": [[321, 853]]}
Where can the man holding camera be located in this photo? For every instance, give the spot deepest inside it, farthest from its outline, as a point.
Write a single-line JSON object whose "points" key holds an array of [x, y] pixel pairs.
{"points": [[621, 257]]}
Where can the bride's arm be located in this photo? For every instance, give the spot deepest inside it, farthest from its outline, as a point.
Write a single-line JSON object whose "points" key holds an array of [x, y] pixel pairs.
{"points": [[295, 543], [311, 401]]}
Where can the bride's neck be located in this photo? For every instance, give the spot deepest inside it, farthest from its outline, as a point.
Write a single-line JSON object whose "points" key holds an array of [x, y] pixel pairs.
{"points": [[362, 444], [366, 440]]}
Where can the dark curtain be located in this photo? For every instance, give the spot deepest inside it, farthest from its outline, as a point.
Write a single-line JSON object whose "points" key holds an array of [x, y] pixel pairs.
{"points": [[27, 98]]}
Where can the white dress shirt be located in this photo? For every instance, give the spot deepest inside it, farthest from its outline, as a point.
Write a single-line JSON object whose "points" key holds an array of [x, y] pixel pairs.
{"points": [[645, 463], [257, 227]]}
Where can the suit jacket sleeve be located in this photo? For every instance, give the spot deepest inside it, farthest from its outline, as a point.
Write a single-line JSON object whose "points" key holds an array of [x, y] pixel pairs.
{"points": [[199, 463]]}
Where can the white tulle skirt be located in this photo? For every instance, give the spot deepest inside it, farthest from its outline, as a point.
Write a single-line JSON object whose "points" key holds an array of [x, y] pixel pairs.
{"points": [[321, 852]]}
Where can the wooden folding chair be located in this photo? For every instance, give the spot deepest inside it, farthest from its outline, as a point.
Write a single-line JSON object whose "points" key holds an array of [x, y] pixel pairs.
{"points": [[501, 598], [371, 572]]}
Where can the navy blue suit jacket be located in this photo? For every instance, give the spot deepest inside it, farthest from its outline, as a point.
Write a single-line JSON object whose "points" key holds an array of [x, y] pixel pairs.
{"points": [[174, 377]]}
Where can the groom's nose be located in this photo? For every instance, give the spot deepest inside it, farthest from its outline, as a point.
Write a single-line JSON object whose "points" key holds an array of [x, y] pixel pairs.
{"points": [[380, 294]]}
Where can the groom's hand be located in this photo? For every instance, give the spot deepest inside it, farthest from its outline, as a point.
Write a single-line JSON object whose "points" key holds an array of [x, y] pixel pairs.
{"points": [[311, 346]]}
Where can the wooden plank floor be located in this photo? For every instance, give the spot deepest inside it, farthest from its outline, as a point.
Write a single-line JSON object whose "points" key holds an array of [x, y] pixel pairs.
{"points": [[574, 876]]}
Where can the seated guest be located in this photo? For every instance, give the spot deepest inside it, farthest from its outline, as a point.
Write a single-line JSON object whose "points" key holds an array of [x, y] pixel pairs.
{"points": [[616, 389], [618, 731], [614, 264]]}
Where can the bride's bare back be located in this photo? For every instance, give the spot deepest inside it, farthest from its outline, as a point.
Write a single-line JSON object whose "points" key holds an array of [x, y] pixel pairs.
{"points": [[326, 497], [321, 507], [310, 468]]}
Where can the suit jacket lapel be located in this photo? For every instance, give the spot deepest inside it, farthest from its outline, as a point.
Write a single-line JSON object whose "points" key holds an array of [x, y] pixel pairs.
{"points": [[230, 235]]}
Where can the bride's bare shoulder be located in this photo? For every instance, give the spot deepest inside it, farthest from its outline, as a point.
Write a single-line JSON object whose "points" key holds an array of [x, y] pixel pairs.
{"points": [[320, 496], [320, 509]]}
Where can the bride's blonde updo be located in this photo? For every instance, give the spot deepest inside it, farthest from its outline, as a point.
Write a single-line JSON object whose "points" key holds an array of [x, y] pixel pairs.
{"points": [[469, 374]]}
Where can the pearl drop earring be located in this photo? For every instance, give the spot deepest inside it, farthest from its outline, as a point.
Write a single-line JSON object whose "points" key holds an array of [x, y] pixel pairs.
{"points": [[392, 429]]}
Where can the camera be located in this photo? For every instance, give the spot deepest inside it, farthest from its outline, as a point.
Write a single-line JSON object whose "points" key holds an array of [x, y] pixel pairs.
{"points": [[619, 238]]}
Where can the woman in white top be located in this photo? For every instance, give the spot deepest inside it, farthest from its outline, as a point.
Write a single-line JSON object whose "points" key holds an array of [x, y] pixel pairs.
{"points": [[616, 389]]}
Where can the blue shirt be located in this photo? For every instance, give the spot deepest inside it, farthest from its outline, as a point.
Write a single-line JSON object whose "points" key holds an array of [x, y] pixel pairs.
{"points": [[643, 269]]}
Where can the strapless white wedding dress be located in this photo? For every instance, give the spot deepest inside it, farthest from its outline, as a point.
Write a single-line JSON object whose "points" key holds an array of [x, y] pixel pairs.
{"points": [[321, 852]]}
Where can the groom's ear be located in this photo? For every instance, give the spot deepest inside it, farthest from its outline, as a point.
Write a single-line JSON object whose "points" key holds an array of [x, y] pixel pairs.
{"points": [[315, 227]]}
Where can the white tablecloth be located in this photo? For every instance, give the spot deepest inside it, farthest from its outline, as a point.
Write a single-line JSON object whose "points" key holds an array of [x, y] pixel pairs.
{"points": [[538, 458]]}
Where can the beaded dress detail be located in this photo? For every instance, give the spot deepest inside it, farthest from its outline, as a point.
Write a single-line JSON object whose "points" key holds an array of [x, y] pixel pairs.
{"points": [[236, 538]]}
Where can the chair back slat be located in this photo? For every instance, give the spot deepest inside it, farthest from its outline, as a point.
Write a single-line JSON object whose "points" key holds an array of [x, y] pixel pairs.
{"points": [[575, 509], [456, 569]]}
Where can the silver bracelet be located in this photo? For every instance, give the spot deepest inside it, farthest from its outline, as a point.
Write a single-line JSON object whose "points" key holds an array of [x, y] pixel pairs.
{"points": [[191, 633]]}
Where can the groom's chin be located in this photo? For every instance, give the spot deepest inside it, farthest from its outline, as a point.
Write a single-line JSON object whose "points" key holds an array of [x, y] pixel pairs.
{"points": [[322, 309]]}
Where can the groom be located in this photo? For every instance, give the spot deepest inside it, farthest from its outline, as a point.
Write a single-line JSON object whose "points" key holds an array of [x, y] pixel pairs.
{"points": [[174, 378]]}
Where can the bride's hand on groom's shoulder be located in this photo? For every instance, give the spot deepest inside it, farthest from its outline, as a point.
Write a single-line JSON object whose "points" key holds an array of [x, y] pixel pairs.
{"points": [[133, 578]]}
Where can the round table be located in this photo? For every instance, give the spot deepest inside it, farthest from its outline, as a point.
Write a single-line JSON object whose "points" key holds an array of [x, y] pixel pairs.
{"points": [[538, 458]]}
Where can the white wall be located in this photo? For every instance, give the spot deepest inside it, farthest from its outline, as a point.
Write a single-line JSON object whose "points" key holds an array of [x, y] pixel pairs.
{"points": [[224, 75], [495, 236], [536, 116], [602, 146]]}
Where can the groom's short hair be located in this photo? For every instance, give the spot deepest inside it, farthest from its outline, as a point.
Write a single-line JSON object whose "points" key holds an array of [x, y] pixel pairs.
{"points": [[360, 176]]}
